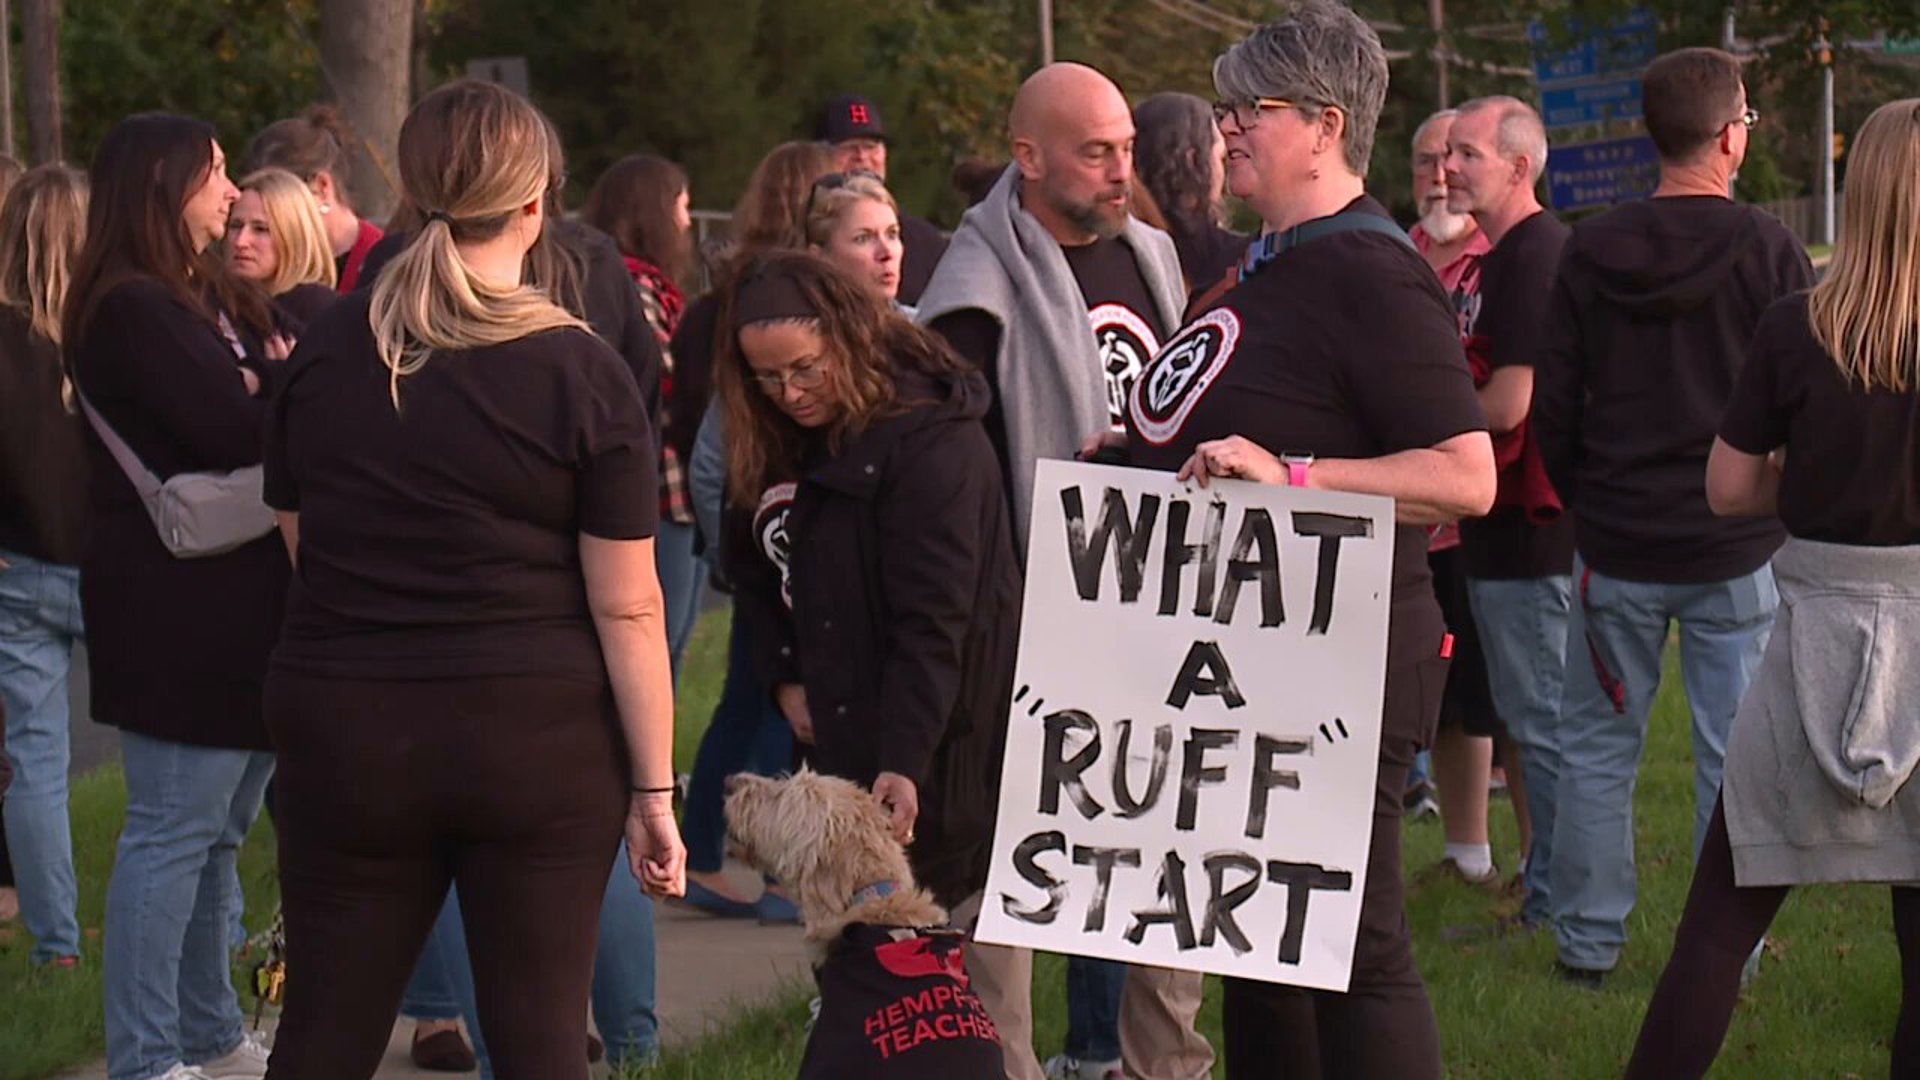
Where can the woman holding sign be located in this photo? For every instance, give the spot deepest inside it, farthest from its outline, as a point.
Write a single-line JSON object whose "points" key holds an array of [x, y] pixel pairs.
{"points": [[1333, 363], [888, 606]]}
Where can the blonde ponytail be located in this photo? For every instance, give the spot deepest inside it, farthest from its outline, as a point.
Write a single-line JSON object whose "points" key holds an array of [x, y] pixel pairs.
{"points": [[472, 156]]}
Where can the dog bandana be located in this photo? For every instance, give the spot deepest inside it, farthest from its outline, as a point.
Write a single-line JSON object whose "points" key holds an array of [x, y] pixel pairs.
{"points": [[896, 1003]]}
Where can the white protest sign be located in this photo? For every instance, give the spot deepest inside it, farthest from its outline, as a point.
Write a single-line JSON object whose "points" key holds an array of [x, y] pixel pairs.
{"points": [[1195, 733]]}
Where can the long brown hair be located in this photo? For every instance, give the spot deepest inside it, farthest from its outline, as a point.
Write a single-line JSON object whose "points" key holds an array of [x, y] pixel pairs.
{"points": [[1866, 311], [146, 169], [317, 141], [43, 224], [772, 213], [633, 202], [472, 155], [866, 343]]}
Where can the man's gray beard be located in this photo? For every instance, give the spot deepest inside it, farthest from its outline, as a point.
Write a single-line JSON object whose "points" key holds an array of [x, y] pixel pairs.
{"points": [[1444, 226], [1095, 218]]}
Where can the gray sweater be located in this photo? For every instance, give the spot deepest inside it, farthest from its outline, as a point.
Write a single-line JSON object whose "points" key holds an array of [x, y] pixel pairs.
{"points": [[1053, 390], [1829, 733]]}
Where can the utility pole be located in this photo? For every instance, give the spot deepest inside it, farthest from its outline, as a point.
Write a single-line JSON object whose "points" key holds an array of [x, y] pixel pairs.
{"points": [[1046, 32], [1826, 135], [1437, 18], [6, 78]]}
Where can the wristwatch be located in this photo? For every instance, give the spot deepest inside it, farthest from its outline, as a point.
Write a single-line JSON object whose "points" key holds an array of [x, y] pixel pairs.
{"points": [[1297, 465]]}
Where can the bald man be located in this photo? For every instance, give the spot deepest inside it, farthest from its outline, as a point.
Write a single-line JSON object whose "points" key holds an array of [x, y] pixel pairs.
{"points": [[1054, 290], [1050, 285]]}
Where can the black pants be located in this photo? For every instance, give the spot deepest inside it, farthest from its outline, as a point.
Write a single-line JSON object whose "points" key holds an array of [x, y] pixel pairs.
{"points": [[1692, 1007], [515, 788], [1383, 1026]]}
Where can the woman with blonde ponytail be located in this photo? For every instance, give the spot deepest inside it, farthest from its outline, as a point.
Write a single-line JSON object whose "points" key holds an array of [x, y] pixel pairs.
{"points": [[464, 476], [1821, 430]]}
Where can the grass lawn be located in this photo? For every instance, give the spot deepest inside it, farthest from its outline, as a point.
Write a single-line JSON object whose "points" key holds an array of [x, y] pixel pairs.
{"points": [[1823, 1006]]}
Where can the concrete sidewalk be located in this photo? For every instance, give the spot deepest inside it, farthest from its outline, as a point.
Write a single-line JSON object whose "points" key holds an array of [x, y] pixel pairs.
{"points": [[709, 969]]}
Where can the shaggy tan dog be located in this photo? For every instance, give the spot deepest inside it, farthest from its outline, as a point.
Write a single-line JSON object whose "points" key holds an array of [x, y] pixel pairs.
{"points": [[826, 839]]}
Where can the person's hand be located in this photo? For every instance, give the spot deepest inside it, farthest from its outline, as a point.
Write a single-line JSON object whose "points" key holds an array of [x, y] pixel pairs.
{"points": [[1234, 457], [792, 699], [251, 381], [654, 850], [1093, 445], [279, 347], [902, 801]]}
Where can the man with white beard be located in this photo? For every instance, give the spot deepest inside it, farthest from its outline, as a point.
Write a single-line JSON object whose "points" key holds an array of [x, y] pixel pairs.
{"points": [[1463, 747]]}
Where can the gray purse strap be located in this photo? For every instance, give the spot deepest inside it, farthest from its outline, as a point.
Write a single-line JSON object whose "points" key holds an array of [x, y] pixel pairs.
{"points": [[144, 482]]}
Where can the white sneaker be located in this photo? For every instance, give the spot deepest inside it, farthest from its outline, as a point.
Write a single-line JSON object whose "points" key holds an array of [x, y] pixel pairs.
{"points": [[182, 1072], [247, 1061]]}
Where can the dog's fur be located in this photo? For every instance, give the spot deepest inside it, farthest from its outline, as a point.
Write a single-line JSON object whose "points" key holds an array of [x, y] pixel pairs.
{"points": [[825, 839]]}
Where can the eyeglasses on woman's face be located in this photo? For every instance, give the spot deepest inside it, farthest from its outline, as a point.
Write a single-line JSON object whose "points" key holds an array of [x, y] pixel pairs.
{"points": [[807, 376], [1246, 114]]}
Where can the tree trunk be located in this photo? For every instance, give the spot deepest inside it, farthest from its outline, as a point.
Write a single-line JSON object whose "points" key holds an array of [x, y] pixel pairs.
{"points": [[366, 50], [40, 41]]}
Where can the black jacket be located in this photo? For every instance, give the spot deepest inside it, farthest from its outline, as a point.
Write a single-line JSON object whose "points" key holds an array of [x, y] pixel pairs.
{"points": [[923, 244], [1652, 312], [43, 450], [905, 616]]}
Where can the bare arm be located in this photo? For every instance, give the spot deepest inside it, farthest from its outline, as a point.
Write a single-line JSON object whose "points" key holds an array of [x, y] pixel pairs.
{"points": [[290, 533], [630, 615], [1506, 398], [1430, 486], [1740, 484]]}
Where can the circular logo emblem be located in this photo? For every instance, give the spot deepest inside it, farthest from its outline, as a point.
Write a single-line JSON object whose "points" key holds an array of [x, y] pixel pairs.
{"points": [[770, 532], [1126, 343], [1177, 378]]}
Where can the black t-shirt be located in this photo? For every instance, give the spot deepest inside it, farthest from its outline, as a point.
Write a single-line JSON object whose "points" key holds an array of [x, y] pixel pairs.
{"points": [[1853, 457], [442, 540], [895, 1003], [1516, 281], [1345, 347]]}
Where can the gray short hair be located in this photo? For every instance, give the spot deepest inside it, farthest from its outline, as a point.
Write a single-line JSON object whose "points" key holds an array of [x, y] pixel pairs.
{"points": [[1520, 131], [1425, 125], [1320, 54]]}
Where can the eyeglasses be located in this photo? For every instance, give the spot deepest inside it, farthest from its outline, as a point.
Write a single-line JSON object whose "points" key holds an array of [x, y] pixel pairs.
{"points": [[800, 376], [1246, 114], [833, 181], [1748, 118]]}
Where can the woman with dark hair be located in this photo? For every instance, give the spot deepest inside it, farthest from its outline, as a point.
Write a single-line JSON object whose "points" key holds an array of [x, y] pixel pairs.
{"points": [[885, 611], [167, 350], [475, 630], [642, 202], [43, 482], [746, 732], [1181, 158], [314, 147], [1337, 349]]}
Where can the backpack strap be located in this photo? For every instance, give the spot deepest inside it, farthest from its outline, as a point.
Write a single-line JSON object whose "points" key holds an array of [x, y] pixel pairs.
{"points": [[1275, 244]]}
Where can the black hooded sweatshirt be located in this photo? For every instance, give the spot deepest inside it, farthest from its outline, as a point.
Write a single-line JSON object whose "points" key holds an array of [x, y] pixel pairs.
{"points": [[899, 613], [1653, 310]]}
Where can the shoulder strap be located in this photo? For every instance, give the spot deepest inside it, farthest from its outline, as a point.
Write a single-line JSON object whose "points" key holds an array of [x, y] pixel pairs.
{"points": [[1275, 244], [144, 482]]}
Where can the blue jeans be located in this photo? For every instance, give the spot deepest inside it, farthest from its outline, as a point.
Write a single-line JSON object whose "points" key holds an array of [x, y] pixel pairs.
{"points": [[1523, 634], [747, 734], [1093, 1008], [169, 998], [683, 576], [1615, 642], [624, 984], [39, 626]]}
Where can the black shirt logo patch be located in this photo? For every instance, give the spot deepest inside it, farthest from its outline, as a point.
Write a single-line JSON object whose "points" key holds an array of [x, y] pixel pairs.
{"points": [[1178, 377], [1126, 343], [770, 532]]}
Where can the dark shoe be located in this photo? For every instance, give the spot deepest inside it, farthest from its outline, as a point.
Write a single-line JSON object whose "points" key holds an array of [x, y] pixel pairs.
{"points": [[1585, 978], [443, 1051], [1450, 870], [775, 909], [705, 899], [595, 1049]]}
